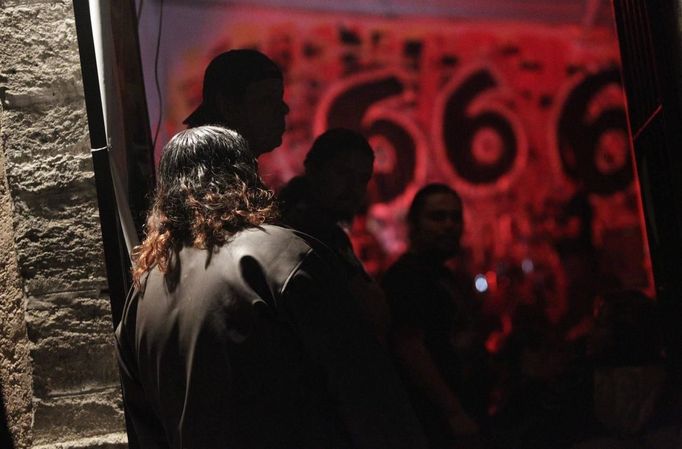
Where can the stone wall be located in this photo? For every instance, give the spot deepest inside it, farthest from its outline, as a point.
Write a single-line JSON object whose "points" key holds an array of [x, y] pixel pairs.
{"points": [[15, 369], [55, 229]]}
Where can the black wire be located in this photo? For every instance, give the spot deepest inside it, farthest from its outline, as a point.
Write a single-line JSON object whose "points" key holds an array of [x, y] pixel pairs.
{"points": [[139, 11], [156, 74]]}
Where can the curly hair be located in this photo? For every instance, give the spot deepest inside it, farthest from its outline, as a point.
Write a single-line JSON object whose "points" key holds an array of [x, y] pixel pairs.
{"points": [[208, 189]]}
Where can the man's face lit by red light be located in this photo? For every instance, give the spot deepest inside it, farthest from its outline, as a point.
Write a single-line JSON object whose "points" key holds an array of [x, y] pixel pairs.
{"points": [[439, 226], [260, 117]]}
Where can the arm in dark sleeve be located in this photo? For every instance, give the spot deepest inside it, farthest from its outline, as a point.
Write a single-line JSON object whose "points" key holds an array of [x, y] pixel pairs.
{"points": [[405, 294], [143, 427], [369, 396], [179, 385]]}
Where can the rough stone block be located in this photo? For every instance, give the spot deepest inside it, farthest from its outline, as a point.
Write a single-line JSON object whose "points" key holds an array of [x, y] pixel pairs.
{"points": [[60, 255], [67, 175], [39, 45], [109, 441], [32, 135], [59, 91], [57, 228], [72, 344], [67, 418]]}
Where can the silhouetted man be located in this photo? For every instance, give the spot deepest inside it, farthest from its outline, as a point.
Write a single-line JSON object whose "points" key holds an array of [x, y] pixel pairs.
{"points": [[243, 90], [326, 197], [430, 321]]}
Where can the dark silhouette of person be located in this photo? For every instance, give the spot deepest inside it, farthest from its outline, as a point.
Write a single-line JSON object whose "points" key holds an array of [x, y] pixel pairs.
{"points": [[635, 401], [239, 333], [541, 395], [626, 343], [243, 90], [329, 194], [431, 313]]}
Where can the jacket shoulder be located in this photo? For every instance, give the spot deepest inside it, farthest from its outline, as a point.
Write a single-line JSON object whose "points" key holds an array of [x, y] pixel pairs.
{"points": [[264, 257], [269, 242]]}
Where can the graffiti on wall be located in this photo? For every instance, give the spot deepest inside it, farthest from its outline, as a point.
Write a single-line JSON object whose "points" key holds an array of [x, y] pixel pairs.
{"points": [[519, 118]]}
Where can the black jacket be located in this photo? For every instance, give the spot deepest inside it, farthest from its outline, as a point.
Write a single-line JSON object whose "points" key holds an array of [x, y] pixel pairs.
{"points": [[257, 344]]}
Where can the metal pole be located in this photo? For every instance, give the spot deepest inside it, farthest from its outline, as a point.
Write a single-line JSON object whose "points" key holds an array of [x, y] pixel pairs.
{"points": [[116, 260]]}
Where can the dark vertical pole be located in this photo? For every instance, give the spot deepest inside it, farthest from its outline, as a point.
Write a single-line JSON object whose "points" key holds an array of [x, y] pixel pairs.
{"points": [[115, 254], [116, 259]]}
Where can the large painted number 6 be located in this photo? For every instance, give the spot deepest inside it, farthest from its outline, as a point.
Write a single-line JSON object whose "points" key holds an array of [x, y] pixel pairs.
{"points": [[591, 133], [479, 139], [377, 105]]}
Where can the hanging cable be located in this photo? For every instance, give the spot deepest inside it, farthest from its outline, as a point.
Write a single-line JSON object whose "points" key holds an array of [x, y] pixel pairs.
{"points": [[156, 74]]}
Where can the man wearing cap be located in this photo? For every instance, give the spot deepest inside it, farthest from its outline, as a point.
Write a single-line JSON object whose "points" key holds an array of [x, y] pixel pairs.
{"points": [[243, 90]]}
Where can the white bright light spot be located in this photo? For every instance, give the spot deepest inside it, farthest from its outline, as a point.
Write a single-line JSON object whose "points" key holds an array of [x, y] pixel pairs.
{"points": [[527, 266], [481, 283]]}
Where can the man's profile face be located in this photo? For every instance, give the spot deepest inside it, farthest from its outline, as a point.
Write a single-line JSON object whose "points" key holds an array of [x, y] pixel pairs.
{"points": [[261, 115], [439, 226]]}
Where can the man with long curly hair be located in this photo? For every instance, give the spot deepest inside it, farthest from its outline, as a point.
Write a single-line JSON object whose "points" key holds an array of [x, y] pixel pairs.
{"points": [[240, 333]]}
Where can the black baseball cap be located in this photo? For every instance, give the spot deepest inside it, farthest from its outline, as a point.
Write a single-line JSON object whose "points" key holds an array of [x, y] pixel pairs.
{"points": [[230, 72]]}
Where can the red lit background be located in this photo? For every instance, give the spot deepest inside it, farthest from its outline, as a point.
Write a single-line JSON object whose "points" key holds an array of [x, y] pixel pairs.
{"points": [[514, 115]]}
